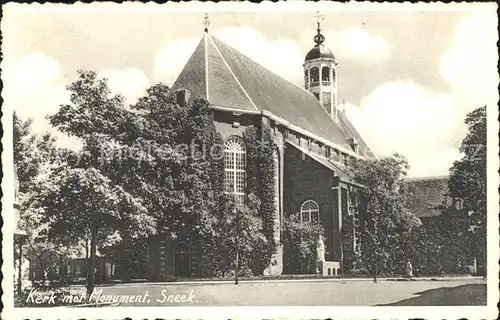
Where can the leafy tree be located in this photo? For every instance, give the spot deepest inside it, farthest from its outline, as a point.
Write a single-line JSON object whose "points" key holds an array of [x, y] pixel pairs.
{"points": [[33, 155], [236, 232], [81, 200], [26, 159], [267, 194], [260, 181], [300, 241], [467, 182], [83, 203], [441, 245], [151, 159], [385, 215]]}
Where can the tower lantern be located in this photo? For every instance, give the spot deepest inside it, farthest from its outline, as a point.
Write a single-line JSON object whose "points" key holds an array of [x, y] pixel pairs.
{"points": [[320, 73]]}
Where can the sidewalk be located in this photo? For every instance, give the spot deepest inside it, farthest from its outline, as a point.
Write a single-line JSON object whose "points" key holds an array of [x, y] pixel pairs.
{"points": [[231, 281]]}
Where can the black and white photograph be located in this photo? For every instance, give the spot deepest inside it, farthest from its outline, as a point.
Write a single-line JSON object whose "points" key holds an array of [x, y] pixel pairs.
{"points": [[169, 159]]}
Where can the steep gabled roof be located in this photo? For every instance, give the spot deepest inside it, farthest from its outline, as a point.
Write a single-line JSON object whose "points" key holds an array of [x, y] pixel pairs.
{"points": [[226, 78], [427, 195], [338, 169]]}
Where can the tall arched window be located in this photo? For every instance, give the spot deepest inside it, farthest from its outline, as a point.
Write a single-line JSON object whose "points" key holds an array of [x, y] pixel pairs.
{"points": [[314, 74], [325, 74], [306, 77], [234, 167], [277, 219], [309, 211]]}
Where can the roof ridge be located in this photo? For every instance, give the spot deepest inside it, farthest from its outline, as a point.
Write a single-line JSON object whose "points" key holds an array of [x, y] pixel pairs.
{"points": [[206, 65], [427, 178], [231, 71]]}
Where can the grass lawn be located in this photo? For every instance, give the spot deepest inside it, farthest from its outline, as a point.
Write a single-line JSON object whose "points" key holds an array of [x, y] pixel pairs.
{"points": [[465, 295]]}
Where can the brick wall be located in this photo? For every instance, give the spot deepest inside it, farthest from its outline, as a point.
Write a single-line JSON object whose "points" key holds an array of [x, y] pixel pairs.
{"points": [[233, 125], [305, 179]]}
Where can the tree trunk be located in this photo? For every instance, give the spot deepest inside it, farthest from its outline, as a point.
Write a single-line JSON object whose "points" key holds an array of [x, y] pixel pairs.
{"points": [[61, 273], [375, 273], [87, 258], [485, 261], [91, 269], [20, 270], [40, 260], [237, 264]]}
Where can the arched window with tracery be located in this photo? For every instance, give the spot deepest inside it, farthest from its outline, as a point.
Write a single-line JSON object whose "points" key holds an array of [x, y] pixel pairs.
{"points": [[234, 167], [309, 211], [325, 74], [314, 75]]}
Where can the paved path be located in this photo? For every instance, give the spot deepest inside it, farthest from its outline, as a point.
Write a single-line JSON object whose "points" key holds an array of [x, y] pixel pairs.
{"points": [[300, 293]]}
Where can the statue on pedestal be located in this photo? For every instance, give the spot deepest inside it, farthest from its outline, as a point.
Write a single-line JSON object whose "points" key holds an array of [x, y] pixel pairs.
{"points": [[320, 249], [320, 255]]}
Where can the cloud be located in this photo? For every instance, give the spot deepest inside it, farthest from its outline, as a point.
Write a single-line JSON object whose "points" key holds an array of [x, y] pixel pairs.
{"points": [[470, 65], [131, 83], [405, 117], [32, 85], [356, 43], [427, 126], [34, 88], [171, 59]]}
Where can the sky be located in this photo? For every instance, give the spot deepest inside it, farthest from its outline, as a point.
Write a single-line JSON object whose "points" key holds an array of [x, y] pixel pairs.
{"points": [[406, 79]]}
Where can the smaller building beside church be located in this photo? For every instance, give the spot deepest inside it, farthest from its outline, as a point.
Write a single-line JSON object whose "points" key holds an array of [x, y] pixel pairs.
{"points": [[444, 245]]}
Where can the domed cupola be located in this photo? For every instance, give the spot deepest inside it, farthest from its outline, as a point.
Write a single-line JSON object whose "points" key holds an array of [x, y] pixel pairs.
{"points": [[319, 50], [320, 74]]}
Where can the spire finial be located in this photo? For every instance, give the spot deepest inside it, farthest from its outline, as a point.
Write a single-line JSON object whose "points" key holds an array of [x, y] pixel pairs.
{"points": [[319, 38], [206, 22]]}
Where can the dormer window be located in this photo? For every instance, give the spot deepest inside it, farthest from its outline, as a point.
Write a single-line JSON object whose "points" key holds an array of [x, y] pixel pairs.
{"points": [[327, 152], [353, 143], [336, 155], [182, 97], [355, 147]]}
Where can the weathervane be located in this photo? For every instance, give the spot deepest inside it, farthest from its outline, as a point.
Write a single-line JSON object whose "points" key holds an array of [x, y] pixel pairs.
{"points": [[319, 17], [206, 22], [319, 38]]}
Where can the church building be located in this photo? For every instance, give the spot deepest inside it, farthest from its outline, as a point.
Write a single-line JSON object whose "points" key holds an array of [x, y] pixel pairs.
{"points": [[313, 140]]}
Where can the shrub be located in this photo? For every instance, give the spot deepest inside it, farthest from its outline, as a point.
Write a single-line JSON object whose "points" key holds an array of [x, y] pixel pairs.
{"points": [[300, 241]]}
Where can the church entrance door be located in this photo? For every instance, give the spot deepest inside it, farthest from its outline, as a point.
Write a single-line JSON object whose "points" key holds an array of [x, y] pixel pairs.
{"points": [[182, 263]]}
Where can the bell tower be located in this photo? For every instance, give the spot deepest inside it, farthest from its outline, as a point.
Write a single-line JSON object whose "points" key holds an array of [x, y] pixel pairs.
{"points": [[320, 73]]}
